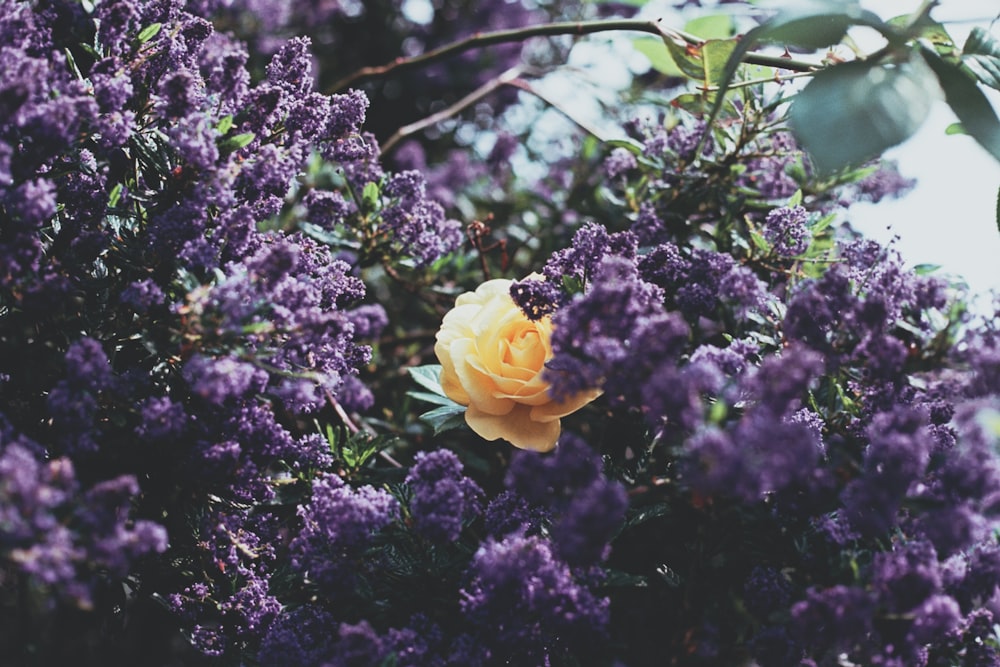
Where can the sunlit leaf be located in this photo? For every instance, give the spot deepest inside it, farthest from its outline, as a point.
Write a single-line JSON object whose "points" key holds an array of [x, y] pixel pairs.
{"points": [[659, 57], [712, 26], [148, 33], [852, 112], [705, 63]]}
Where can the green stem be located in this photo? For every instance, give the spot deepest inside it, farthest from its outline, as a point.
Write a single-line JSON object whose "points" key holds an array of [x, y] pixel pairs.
{"points": [[548, 30]]}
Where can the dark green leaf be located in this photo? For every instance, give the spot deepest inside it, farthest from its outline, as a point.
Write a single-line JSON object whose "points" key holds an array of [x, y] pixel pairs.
{"points": [[852, 112], [428, 377], [816, 24], [981, 54], [968, 102], [148, 33], [445, 418]]}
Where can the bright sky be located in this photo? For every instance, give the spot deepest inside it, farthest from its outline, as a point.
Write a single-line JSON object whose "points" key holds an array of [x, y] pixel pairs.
{"points": [[950, 217]]}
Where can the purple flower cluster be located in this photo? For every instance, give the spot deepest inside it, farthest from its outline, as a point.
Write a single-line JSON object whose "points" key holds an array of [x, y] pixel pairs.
{"points": [[785, 229], [338, 525], [443, 498]]}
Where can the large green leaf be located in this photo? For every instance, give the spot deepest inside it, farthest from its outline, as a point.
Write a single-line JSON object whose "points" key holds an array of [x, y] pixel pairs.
{"points": [[968, 102], [981, 54], [815, 24], [810, 23], [705, 63], [853, 112]]}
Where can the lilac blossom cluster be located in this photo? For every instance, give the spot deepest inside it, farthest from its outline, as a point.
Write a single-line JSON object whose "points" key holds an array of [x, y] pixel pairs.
{"points": [[172, 319], [204, 459], [834, 407]]}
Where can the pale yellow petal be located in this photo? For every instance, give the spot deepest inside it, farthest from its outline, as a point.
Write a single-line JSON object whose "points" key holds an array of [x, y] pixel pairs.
{"points": [[554, 410], [481, 388], [517, 428]]}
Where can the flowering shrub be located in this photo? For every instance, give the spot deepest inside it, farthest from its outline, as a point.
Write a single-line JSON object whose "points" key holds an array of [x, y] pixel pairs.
{"points": [[772, 443]]}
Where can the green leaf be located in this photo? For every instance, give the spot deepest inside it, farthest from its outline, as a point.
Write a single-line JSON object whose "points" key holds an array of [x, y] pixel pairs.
{"points": [[657, 53], [967, 101], [370, 196], [713, 26], [236, 142], [428, 397], [824, 21], [795, 199], [955, 128], [816, 24], [981, 54], [631, 145], [225, 124], [928, 30], [925, 269], [705, 63], [428, 377], [148, 33], [115, 195], [854, 111], [445, 418]]}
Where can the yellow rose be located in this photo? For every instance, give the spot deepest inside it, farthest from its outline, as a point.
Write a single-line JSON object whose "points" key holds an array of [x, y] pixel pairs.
{"points": [[492, 358]]}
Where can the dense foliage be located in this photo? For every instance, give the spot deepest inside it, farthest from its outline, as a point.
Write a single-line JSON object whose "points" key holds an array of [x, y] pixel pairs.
{"points": [[224, 437]]}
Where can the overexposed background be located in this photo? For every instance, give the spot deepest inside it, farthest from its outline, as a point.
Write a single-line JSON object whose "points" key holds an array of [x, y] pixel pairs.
{"points": [[949, 218]]}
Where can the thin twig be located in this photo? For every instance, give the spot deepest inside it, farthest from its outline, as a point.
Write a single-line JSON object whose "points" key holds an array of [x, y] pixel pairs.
{"points": [[548, 30], [453, 109], [587, 127]]}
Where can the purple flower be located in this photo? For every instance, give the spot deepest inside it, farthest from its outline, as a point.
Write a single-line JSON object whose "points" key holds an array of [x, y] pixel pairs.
{"points": [[443, 498], [785, 229], [338, 524], [526, 605]]}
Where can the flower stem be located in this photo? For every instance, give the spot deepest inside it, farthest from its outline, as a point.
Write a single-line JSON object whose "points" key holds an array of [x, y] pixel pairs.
{"points": [[482, 39]]}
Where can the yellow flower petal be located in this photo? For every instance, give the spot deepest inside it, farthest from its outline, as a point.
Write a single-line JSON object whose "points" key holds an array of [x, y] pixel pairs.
{"points": [[517, 428]]}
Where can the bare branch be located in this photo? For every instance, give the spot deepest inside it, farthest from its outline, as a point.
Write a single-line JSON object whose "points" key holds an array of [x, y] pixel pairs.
{"points": [[576, 28]]}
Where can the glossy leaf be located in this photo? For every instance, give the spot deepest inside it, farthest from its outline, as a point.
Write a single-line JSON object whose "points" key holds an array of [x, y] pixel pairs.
{"points": [[968, 102], [428, 377], [705, 63], [852, 112], [445, 418], [981, 54], [815, 24]]}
